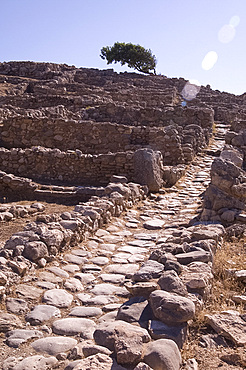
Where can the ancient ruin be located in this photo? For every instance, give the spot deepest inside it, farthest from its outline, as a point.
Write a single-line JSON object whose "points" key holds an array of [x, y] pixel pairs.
{"points": [[116, 275]]}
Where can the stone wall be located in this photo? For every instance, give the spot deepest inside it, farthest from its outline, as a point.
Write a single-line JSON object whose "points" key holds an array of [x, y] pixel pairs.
{"points": [[52, 165], [177, 144]]}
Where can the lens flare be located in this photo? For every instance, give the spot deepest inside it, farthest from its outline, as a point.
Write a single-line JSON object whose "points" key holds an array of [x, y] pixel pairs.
{"points": [[234, 21], [209, 60], [226, 34], [190, 90]]}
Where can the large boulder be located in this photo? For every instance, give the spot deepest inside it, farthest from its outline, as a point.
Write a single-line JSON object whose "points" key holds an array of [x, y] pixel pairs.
{"points": [[148, 168]]}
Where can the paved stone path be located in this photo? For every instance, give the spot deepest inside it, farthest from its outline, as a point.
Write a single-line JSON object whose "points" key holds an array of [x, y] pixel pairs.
{"points": [[86, 285]]}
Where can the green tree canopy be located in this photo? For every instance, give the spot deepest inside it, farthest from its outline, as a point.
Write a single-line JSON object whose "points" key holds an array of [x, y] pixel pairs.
{"points": [[135, 56]]}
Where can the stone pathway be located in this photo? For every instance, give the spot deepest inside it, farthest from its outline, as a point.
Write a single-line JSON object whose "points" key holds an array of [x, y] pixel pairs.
{"points": [[57, 308]]}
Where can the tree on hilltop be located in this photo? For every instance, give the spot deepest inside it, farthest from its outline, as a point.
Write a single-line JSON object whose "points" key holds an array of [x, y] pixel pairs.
{"points": [[135, 56]]}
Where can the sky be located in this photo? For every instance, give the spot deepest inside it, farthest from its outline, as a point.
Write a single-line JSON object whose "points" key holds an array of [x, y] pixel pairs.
{"points": [[200, 40]]}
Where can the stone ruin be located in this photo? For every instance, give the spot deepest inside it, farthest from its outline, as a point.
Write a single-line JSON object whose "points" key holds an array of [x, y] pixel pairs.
{"points": [[103, 142]]}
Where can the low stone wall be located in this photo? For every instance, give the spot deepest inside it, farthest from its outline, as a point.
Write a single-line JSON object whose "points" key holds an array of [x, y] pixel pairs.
{"points": [[71, 167], [176, 143], [225, 198]]}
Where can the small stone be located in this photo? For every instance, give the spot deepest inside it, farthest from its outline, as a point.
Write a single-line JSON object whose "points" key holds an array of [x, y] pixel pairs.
{"points": [[162, 354], [150, 270], [9, 322], [30, 363], [16, 305], [74, 285]]}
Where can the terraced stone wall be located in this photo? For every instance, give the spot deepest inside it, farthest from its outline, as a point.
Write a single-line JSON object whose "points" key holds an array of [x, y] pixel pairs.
{"points": [[176, 143], [42, 164]]}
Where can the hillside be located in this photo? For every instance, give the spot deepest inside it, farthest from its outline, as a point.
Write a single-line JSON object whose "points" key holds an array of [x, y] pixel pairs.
{"points": [[122, 221]]}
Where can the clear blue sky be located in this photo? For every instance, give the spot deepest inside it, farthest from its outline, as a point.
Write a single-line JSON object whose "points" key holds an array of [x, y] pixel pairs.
{"points": [[179, 32]]}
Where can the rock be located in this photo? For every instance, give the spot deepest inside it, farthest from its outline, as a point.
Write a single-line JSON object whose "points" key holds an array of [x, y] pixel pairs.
{"points": [[30, 363], [191, 364], [124, 339], [150, 270], [142, 366], [136, 309], [28, 292], [189, 257], [58, 297], [16, 305], [35, 250], [74, 285], [58, 271], [98, 361], [41, 313], [113, 278], [230, 325], [122, 269], [98, 300], [170, 282], [162, 354], [9, 322], [177, 333], [154, 224], [148, 168], [141, 289], [54, 345], [87, 348], [241, 275], [16, 337], [170, 308], [74, 326], [109, 289], [86, 312]]}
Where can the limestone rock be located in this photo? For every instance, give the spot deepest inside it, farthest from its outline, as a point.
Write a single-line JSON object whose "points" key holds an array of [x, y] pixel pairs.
{"points": [[171, 308], [53, 345], [74, 326], [41, 313], [162, 354], [150, 270], [58, 297], [148, 169]]}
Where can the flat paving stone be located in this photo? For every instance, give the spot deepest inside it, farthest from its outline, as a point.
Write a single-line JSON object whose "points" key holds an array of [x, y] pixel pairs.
{"points": [[154, 224], [14, 338], [49, 277], [73, 326], [109, 289], [113, 278], [30, 363], [85, 278], [8, 322], [58, 271], [86, 311], [131, 249], [28, 291], [54, 345], [101, 261], [121, 269], [42, 313], [16, 305], [58, 297], [71, 268], [99, 300], [74, 285], [45, 285], [72, 258]]}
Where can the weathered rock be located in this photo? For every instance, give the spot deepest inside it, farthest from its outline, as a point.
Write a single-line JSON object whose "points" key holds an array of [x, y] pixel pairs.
{"points": [[154, 224], [177, 333], [58, 297], [230, 325], [98, 361], [35, 250], [16, 305], [148, 168], [170, 282], [9, 322], [86, 312], [123, 338], [53, 345], [19, 336], [162, 354], [136, 309], [171, 308], [150, 270], [41, 313], [29, 363], [74, 326]]}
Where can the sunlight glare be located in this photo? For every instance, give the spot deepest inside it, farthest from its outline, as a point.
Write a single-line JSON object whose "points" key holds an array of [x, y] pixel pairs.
{"points": [[209, 60], [226, 33], [191, 89], [234, 21]]}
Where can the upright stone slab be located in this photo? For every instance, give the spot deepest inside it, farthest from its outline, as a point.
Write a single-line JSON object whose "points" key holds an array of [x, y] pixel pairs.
{"points": [[148, 168]]}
